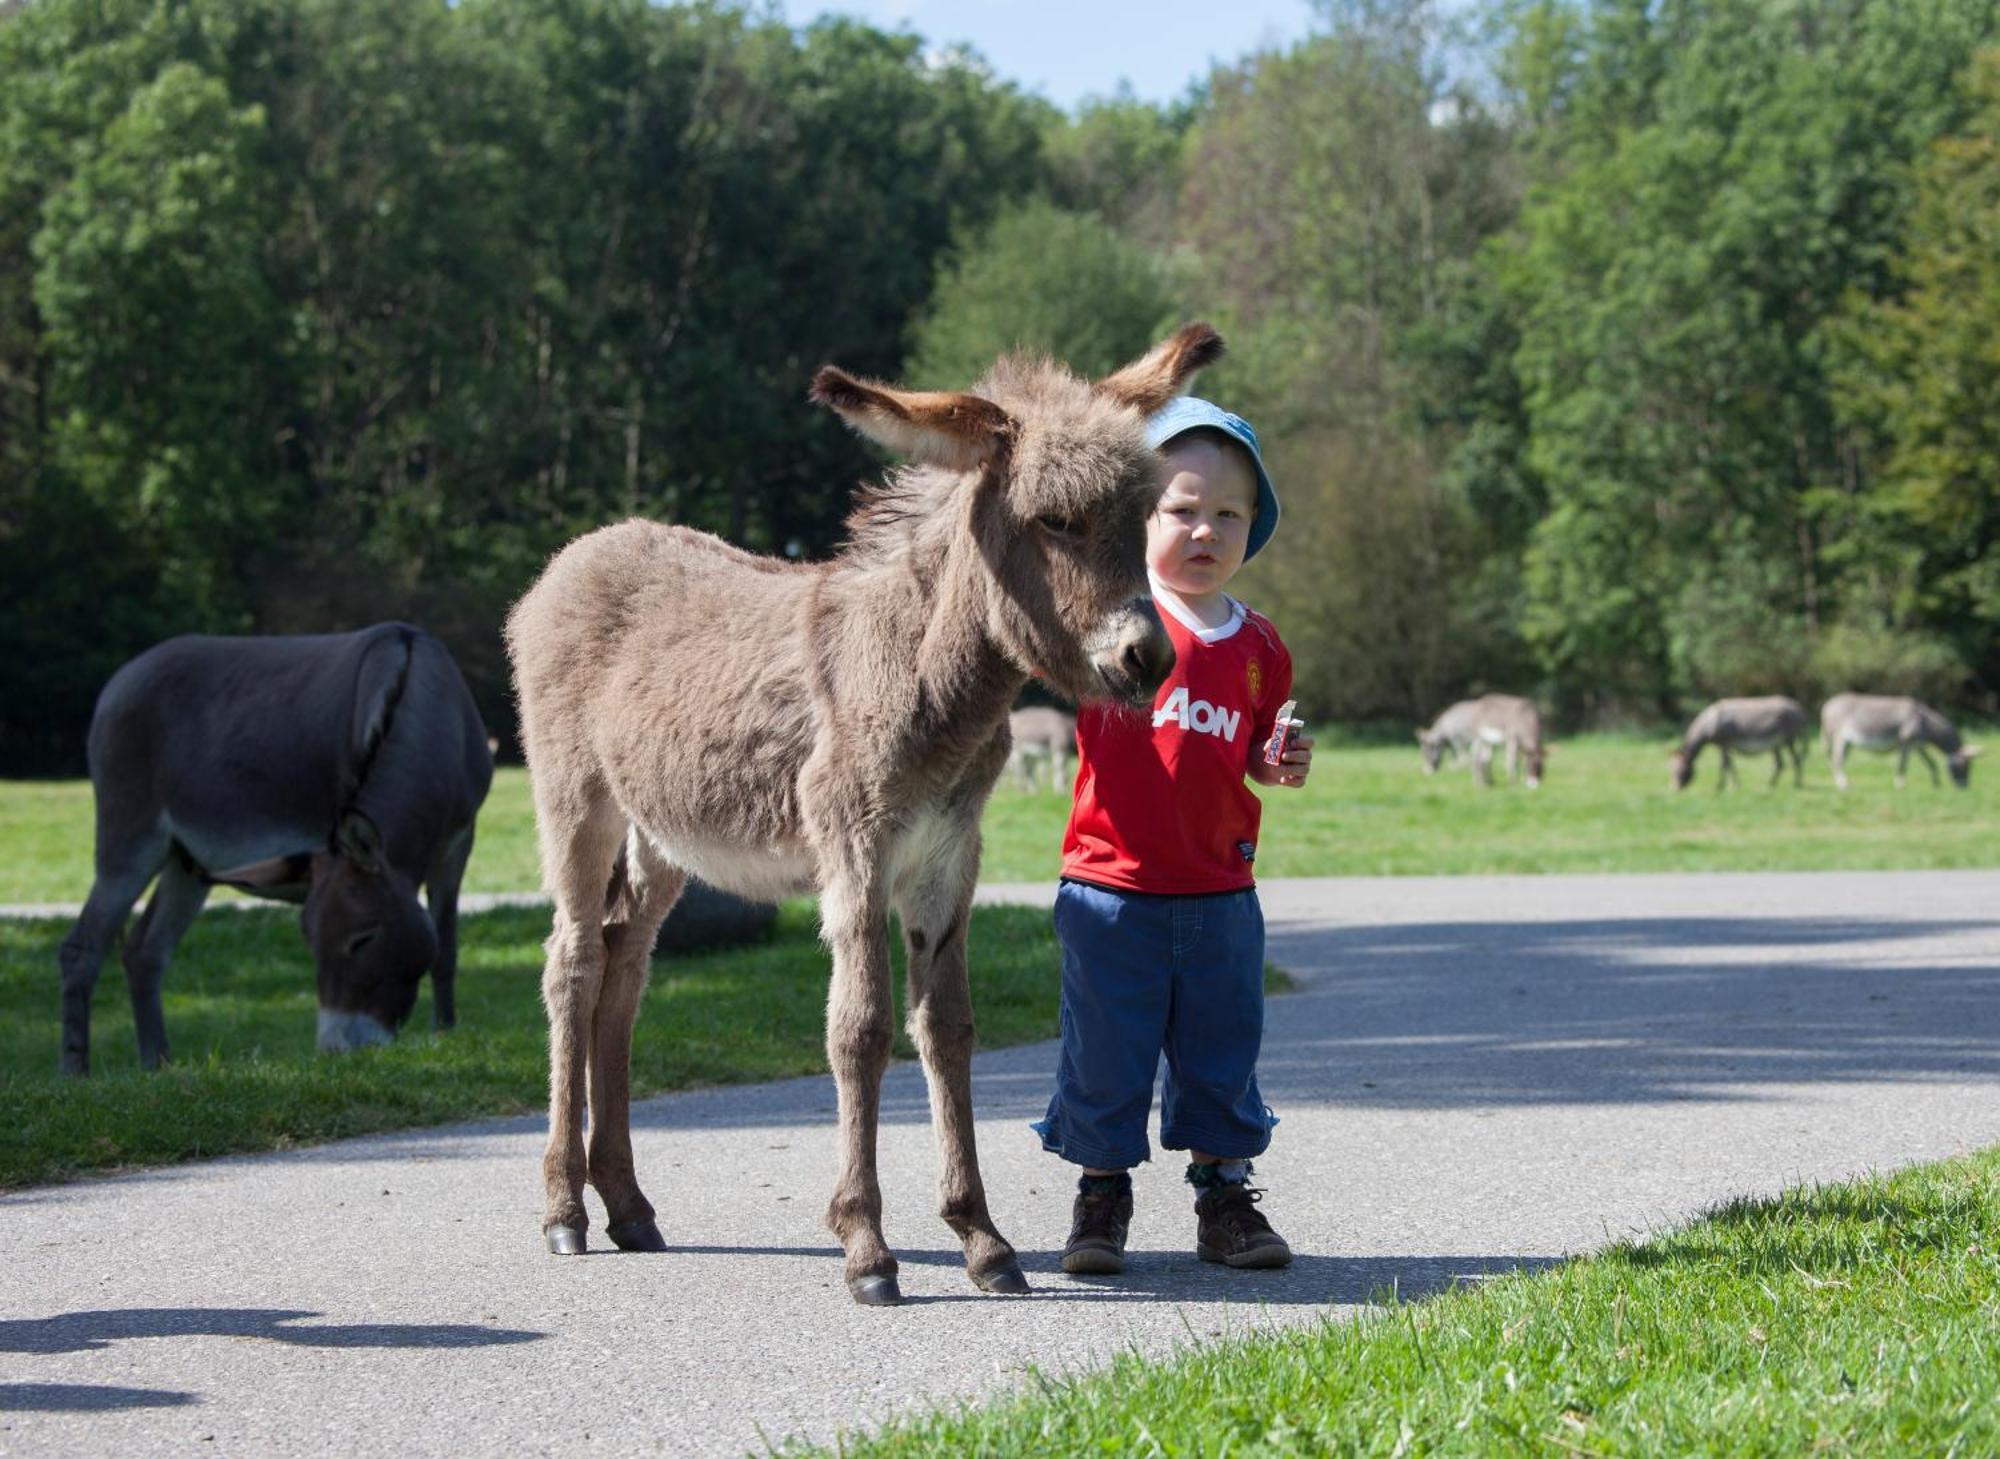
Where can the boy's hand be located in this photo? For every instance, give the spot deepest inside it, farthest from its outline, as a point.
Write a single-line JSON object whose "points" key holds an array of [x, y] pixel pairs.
{"points": [[1292, 770]]}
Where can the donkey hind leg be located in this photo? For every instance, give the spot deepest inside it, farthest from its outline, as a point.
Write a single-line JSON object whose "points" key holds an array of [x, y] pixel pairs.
{"points": [[859, 1029], [940, 1025], [123, 869], [639, 902], [579, 853], [176, 899]]}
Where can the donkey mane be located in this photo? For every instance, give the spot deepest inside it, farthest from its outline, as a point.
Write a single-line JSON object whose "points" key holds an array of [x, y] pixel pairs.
{"points": [[889, 515]]}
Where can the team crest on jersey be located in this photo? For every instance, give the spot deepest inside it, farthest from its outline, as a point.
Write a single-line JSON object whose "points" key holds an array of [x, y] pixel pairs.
{"points": [[1255, 674]]}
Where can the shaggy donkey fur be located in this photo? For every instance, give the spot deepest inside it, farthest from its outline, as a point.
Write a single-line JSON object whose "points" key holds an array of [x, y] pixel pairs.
{"points": [[836, 727]]}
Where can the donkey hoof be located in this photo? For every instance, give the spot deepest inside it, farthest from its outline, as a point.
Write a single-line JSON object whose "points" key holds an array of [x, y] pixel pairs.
{"points": [[1002, 1280], [566, 1240], [636, 1236], [879, 1291]]}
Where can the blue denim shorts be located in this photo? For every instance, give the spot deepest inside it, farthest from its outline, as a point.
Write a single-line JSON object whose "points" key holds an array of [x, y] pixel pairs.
{"points": [[1146, 975]]}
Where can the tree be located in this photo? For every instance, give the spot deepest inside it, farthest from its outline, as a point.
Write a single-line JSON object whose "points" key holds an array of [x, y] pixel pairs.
{"points": [[1336, 199], [1041, 279], [1674, 289], [1922, 371]]}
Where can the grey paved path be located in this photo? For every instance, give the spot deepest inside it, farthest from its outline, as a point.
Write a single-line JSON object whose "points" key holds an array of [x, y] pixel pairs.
{"points": [[1476, 1074]]}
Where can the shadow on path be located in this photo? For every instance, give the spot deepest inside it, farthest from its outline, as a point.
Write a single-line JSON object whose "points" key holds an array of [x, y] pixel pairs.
{"points": [[78, 1332], [85, 1398], [1483, 1015], [1629, 1011], [1172, 1276]]}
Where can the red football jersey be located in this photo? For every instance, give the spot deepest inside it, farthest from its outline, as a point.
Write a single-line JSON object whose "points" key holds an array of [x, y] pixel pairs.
{"points": [[1162, 804]]}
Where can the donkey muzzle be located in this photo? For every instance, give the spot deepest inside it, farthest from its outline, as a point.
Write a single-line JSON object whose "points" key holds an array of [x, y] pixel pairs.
{"points": [[1132, 653], [341, 1033]]}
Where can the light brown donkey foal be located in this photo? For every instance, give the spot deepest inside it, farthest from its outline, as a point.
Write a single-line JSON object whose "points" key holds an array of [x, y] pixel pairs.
{"points": [[780, 728]]}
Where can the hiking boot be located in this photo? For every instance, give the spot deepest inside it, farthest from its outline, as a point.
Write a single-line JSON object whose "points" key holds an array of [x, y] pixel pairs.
{"points": [[1096, 1245], [1230, 1229]]}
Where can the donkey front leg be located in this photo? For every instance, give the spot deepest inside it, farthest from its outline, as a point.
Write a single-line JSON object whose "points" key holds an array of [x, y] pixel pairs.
{"points": [[1929, 764], [572, 983], [860, 1024], [647, 897], [940, 1024], [579, 850]]}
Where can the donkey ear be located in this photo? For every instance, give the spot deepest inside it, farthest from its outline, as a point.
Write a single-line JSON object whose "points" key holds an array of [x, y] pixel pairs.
{"points": [[1160, 374], [941, 427], [360, 840]]}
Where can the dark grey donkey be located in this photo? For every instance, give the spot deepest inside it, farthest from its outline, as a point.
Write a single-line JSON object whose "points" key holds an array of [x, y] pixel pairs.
{"points": [[336, 770], [1884, 722], [1749, 727]]}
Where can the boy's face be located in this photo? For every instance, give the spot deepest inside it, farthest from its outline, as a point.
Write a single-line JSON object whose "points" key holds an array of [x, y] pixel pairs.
{"points": [[1198, 531]]}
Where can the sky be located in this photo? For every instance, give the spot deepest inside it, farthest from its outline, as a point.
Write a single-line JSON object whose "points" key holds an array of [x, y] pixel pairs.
{"points": [[1067, 50]]}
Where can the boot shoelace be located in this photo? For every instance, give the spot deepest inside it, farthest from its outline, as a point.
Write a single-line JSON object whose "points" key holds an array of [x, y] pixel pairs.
{"points": [[1236, 1208]]}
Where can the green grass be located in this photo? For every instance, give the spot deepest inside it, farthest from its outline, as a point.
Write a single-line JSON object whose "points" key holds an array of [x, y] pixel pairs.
{"points": [[1846, 1319], [1368, 811], [1605, 807], [240, 1014]]}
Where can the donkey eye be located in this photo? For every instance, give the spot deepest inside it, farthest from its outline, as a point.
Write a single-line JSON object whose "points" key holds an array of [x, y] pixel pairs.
{"points": [[1060, 526]]}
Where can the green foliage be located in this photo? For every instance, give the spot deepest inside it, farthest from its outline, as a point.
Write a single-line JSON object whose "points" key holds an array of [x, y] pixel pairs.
{"points": [[314, 314], [1675, 283], [1923, 373], [1041, 279], [1628, 352], [1119, 158], [1335, 198]]}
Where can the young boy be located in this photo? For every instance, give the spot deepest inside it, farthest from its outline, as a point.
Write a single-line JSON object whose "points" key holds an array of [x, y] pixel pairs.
{"points": [[1162, 936]]}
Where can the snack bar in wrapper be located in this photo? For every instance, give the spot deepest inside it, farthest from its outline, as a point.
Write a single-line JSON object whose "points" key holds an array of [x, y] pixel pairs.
{"points": [[1284, 729]]}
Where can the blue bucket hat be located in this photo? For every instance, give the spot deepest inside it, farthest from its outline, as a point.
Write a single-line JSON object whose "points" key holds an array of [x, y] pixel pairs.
{"points": [[1189, 413]]}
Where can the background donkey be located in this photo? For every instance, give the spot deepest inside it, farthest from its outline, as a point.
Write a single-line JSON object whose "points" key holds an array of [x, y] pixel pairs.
{"points": [[1750, 726], [1475, 728], [1042, 735], [781, 728], [1884, 722]]}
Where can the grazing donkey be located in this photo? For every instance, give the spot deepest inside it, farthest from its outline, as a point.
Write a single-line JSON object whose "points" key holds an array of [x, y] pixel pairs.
{"points": [[1476, 727], [338, 770], [1884, 722], [780, 728], [1042, 735], [1746, 726]]}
